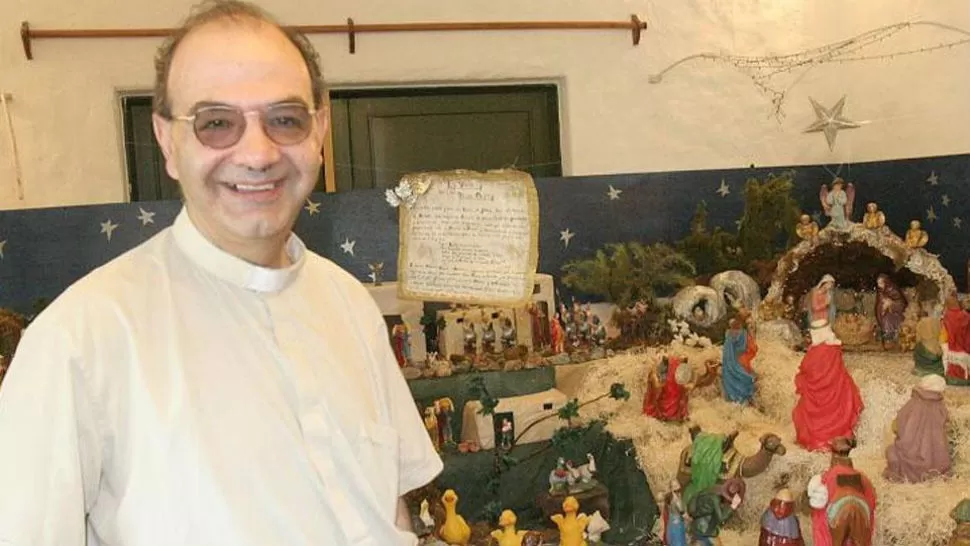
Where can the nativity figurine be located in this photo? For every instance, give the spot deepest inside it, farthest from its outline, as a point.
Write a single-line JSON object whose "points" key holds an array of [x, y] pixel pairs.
{"points": [[837, 203], [921, 449], [557, 338], [874, 218], [469, 337], [820, 311], [488, 336], [400, 342], [779, 523], [509, 336], [668, 389], [711, 508], [928, 352], [444, 412], [712, 458], [843, 500], [540, 334], [506, 432], [806, 228], [737, 372], [673, 517], [431, 425], [376, 272], [890, 309], [915, 236], [829, 402], [598, 332], [955, 340]]}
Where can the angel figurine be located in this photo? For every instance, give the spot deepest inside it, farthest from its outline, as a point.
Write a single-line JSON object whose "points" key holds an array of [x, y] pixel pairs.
{"points": [[874, 218], [806, 227], [838, 203]]}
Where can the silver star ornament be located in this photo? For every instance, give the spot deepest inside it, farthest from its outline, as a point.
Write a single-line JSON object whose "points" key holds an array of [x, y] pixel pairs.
{"points": [[830, 121]]}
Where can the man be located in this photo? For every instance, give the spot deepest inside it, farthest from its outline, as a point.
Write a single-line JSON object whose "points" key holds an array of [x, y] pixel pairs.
{"points": [[219, 384]]}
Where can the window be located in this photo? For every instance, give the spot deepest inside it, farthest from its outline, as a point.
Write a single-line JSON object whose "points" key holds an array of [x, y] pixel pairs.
{"points": [[381, 134]]}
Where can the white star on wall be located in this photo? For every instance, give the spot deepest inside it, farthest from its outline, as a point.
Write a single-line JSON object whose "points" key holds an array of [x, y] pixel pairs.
{"points": [[565, 236], [933, 179], [3, 244], [957, 222], [931, 214], [348, 246], [830, 121], [723, 189], [108, 228], [614, 193], [145, 216], [311, 207], [946, 200]]}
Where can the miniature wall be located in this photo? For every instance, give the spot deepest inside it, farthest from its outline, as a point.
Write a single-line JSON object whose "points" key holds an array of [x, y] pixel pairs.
{"points": [[44, 250], [703, 115]]}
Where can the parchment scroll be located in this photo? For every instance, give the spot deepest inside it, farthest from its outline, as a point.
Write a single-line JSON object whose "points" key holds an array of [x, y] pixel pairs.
{"points": [[469, 237]]}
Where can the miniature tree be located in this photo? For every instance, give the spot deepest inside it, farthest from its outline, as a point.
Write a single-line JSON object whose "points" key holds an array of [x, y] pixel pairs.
{"points": [[623, 273], [711, 251], [770, 214]]}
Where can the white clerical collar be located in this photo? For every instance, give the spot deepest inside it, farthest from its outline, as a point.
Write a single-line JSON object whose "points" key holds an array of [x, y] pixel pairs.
{"points": [[231, 268]]}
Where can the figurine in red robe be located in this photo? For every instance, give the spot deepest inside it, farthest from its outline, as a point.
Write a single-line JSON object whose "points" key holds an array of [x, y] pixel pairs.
{"points": [[668, 390], [829, 402], [779, 524], [398, 342], [843, 501], [558, 336], [956, 343]]}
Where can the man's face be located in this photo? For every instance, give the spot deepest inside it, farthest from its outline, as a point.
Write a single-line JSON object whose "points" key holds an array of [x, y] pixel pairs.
{"points": [[251, 191]]}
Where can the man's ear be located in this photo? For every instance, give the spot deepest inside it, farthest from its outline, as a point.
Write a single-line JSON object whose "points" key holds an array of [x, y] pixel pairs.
{"points": [[163, 134]]}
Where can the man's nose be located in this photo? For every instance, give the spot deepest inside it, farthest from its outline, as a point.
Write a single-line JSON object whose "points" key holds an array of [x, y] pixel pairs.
{"points": [[255, 148]]}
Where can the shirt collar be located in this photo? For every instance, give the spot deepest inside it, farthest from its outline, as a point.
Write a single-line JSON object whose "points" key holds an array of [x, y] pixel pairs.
{"points": [[233, 269]]}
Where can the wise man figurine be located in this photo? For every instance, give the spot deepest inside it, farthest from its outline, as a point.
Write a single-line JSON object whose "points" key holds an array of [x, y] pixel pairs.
{"points": [[779, 524]]}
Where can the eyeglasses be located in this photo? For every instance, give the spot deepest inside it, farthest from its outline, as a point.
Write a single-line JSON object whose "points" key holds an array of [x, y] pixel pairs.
{"points": [[220, 127]]}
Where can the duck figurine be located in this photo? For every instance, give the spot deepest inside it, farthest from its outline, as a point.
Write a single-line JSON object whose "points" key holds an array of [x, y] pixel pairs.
{"points": [[454, 531], [572, 527], [508, 536]]}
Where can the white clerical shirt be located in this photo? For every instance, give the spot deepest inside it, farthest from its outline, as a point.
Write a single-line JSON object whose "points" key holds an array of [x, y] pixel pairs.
{"points": [[179, 396]]}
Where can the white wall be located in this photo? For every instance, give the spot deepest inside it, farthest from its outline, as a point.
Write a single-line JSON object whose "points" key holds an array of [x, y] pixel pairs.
{"points": [[703, 115]]}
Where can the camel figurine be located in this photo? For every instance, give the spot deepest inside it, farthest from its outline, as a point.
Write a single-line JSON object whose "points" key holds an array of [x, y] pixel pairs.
{"points": [[733, 463]]}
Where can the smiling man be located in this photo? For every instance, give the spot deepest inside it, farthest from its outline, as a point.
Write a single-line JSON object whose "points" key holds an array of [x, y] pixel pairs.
{"points": [[219, 384]]}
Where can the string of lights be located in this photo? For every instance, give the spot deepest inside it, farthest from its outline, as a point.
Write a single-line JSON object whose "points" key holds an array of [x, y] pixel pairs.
{"points": [[762, 70]]}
